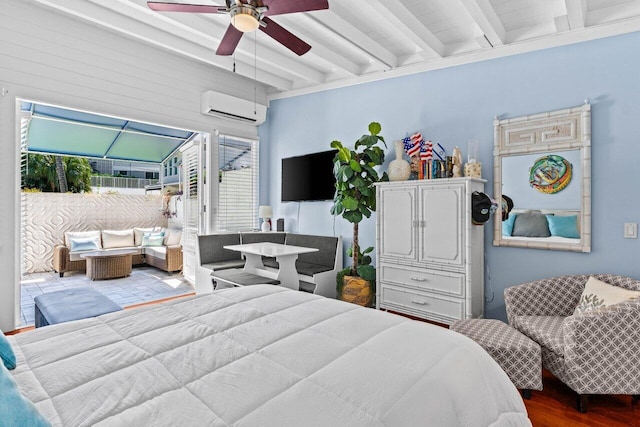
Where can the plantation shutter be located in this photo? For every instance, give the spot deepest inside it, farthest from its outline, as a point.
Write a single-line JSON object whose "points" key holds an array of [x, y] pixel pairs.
{"points": [[25, 119], [192, 207], [237, 184]]}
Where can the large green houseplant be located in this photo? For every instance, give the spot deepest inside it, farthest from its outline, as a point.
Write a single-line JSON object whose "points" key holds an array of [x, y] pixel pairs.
{"points": [[355, 199]]}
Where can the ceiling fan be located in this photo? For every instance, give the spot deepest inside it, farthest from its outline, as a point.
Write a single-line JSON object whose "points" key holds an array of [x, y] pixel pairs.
{"points": [[251, 15]]}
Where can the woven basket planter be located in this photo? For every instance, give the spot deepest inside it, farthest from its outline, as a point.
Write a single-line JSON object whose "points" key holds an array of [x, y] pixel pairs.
{"points": [[356, 290]]}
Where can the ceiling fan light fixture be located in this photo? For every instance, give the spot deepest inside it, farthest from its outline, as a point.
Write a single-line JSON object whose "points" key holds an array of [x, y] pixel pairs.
{"points": [[245, 18]]}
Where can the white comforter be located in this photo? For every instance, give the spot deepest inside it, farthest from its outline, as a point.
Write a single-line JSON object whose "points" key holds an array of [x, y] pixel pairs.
{"points": [[261, 356]]}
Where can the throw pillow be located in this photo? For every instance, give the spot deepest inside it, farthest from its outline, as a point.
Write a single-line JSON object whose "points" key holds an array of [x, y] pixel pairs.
{"points": [[507, 225], [15, 409], [598, 294], [85, 244], [138, 232], [172, 237], [153, 239], [117, 239], [531, 224], [6, 353], [81, 235], [564, 226]]}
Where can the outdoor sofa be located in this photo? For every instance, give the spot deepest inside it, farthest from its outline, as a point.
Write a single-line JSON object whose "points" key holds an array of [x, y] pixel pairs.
{"points": [[158, 247]]}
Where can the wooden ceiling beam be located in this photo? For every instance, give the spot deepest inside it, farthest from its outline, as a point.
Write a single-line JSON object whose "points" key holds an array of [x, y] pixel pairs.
{"points": [[577, 13], [485, 16], [405, 21]]}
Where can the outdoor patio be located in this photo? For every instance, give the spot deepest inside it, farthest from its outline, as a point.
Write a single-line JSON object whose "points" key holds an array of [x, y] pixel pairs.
{"points": [[145, 284]]}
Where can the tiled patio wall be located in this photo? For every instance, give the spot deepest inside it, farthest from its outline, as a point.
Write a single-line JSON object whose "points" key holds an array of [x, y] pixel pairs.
{"points": [[47, 216]]}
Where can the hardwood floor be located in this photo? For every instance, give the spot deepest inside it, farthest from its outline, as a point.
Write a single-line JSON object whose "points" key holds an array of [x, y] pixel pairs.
{"points": [[555, 406]]}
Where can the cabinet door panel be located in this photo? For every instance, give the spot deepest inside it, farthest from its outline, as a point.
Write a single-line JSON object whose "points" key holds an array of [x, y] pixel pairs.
{"points": [[441, 234], [397, 218]]}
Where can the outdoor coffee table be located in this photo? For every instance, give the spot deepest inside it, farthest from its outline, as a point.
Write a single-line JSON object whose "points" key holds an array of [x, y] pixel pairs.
{"points": [[108, 264]]}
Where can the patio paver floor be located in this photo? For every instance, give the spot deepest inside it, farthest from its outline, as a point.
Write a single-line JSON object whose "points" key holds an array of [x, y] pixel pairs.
{"points": [[143, 285]]}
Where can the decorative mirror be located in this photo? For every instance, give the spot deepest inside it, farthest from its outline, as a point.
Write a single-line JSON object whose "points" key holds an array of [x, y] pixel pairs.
{"points": [[542, 180]]}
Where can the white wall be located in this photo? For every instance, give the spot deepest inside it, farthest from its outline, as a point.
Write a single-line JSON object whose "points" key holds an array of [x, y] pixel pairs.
{"points": [[48, 57]]}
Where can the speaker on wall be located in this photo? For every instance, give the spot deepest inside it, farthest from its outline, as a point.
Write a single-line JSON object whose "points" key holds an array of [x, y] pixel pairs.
{"points": [[280, 224]]}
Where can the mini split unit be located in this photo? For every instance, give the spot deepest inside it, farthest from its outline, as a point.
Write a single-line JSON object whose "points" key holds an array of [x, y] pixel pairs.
{"points": [[230, 107]]}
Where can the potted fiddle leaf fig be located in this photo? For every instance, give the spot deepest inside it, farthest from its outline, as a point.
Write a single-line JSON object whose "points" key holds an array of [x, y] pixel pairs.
{"points": [[354, 200]]}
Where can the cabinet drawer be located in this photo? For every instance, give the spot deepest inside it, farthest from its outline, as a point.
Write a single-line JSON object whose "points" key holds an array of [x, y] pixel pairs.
{"points": [[431, 280], [423, 302]]}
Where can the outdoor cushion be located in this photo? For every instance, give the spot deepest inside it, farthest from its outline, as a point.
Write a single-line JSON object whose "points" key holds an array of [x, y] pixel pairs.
{"points": [[81, 235], [172, 236], [545, 330], [156, 251], [117, 238]]}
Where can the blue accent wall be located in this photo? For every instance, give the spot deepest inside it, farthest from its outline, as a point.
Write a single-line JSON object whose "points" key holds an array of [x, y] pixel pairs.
{"points": [[459, 103]]}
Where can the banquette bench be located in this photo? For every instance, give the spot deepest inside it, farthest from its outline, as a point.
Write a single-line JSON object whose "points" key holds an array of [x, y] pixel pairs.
{"points": [[317, 270]]}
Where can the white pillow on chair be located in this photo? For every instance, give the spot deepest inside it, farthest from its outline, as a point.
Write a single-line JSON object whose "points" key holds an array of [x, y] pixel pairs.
{"points": [[598, 294]]}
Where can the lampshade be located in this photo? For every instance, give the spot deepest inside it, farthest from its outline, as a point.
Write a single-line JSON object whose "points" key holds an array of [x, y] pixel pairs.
{"points": [[245, 22], [265, 212]]}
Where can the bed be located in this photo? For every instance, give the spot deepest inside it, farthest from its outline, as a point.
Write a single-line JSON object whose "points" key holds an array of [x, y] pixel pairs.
{"points": [[260, 356]]}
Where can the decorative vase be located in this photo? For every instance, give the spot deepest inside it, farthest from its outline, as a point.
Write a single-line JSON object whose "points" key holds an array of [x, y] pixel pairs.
{"points": [[399, 169], [473, 170], [356, 290]]}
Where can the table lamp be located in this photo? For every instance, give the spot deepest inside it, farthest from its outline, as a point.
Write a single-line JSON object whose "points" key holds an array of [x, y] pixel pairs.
{"points": [[266, 213]]}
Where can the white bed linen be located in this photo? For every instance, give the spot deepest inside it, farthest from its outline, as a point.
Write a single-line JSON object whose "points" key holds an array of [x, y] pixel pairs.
{"points": [[261, 356]]}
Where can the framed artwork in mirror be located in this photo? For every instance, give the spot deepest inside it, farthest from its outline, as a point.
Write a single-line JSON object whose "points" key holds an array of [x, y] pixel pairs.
{"points": [[542, 166]]}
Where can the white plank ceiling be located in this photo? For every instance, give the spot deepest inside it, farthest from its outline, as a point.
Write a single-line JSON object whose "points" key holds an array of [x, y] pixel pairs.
{"points": [[364, 40]]}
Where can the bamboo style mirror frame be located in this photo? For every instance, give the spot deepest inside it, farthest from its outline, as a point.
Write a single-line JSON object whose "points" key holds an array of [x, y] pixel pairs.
{"points": [[521, 141]]}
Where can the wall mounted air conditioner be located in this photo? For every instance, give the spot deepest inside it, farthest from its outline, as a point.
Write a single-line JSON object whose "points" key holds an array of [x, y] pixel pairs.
{"points": [[232, 108]]}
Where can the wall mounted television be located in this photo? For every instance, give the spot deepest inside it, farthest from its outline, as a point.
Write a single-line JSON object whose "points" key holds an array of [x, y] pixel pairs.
{"points": [[309, 177]]}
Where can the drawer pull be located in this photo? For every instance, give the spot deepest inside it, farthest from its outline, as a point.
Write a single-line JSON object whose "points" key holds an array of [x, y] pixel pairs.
{"points": [[418, 302], [419, 279]]}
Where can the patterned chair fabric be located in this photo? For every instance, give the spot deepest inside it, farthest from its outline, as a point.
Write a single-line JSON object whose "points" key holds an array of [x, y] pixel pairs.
{"points": [[596, 352], [516, 354]]}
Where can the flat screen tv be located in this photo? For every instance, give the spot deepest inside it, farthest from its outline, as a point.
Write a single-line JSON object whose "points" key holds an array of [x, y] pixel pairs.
{"points": [[309, 177]]}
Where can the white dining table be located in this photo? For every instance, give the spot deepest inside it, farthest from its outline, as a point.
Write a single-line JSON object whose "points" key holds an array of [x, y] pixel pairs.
{"points": [[285, 255]]}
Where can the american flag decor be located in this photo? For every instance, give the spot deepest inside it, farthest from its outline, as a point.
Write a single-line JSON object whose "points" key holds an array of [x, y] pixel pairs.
{"points": [[410, 147], [426, 150]]}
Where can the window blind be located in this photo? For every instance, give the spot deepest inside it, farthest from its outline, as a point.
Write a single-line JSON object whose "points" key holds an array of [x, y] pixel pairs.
{"points": [[237, 184]]}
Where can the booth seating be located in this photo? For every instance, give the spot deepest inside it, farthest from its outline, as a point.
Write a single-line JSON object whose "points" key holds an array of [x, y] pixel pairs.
{"points": [[317, 270], [71, 304]]}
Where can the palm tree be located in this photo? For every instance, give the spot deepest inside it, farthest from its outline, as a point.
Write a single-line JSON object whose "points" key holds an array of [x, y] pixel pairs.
{"points": [[50, 173]]}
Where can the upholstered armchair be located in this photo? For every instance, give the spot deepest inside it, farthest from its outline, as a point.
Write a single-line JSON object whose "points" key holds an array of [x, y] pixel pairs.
{"points": [[596, 352]]}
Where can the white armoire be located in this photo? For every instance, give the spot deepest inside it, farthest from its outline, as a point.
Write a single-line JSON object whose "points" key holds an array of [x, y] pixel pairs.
{"points": [[429, 253]]}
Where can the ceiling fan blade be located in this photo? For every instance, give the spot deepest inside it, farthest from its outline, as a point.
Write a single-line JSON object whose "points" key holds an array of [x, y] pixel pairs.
{"points": [[181, 7], [286, 38], [229, 41], [280, 7]]}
